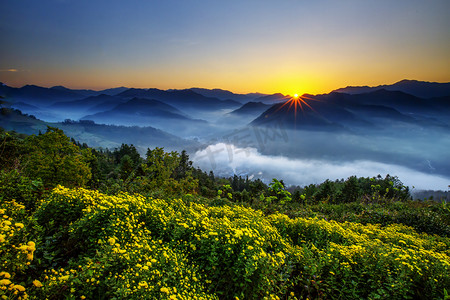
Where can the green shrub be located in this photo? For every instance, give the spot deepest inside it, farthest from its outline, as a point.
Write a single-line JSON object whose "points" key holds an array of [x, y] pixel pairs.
{"points": [[23, 189]]}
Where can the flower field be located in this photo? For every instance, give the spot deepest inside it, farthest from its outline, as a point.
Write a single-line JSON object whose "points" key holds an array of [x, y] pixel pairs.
{"points": [[82, 244]]}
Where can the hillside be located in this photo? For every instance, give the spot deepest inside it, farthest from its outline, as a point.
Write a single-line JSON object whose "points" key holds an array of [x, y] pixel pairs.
{"points": [[96, 135], [112, 224], [250, 108]]}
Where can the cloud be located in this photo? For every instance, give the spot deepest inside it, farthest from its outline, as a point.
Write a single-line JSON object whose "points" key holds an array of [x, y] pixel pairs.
{"points": [[225, 159], [9, 70]]}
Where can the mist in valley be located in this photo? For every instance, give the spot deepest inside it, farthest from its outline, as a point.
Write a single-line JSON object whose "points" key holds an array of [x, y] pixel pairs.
{"points": [[299, 140]]}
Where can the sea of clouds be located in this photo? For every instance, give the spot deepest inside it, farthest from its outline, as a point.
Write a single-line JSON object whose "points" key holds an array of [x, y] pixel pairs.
{"points": [[226, 159]]}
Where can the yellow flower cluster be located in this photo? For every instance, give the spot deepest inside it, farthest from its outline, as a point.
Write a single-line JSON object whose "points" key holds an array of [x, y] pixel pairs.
{"points": [[149, 268], [137, 247], [15, 253], [392, 253], [164, 237]]}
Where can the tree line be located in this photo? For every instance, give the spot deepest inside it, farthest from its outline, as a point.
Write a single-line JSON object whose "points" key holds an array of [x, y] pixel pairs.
{"points": [[52, 158]]}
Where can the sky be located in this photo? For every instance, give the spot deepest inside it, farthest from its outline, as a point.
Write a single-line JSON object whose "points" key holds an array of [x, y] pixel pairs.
{"points": [[244, 46]]}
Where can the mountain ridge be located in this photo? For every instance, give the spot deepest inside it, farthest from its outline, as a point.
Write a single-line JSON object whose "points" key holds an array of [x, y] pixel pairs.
{"points": [[354, 111], [422, 89]]}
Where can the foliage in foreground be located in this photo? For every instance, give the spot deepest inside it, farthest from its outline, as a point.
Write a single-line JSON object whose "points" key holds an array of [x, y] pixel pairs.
{"points": [[96, 246], [133, 237]]}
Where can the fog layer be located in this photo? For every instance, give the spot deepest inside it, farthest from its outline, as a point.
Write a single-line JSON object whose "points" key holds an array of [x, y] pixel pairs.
{"points": [[227, 159]]}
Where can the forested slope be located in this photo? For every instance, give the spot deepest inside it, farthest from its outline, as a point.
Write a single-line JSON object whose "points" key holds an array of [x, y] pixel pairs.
{"points": [[78, 223]]}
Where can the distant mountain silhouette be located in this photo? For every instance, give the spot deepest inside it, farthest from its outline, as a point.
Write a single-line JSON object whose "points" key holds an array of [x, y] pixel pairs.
{"points": [[42, 97], [226, 95], [358, 111], [380, 112], [181, 110], [416, 88], [271, 99], [106, 105], [98, 103], [6, 91], [87, 93], [182, 99], [405, 124], [36, 95], [320, 116], [137, 108], [241, 116], [149, 112], [82, 92], [112, 91], [401, 101], [251, 108]]}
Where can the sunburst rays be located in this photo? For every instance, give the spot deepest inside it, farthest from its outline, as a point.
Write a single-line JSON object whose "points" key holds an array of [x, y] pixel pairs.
{"points": [[298, 102]]}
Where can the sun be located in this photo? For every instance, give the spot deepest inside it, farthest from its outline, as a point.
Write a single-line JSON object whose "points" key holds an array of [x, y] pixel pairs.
{"points": [[298, 102]]}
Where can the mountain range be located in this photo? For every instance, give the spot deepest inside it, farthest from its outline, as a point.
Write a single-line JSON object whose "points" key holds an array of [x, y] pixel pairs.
{"points": [[145, 112], [406, 123], [350, 107], [422, 89], [91, 104], [227, 95], [359, 108]]}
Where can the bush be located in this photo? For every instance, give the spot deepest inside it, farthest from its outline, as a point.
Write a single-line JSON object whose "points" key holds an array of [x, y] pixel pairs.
{"points": [[126, 246], [351, 260], [23, 189], [209, 242], [16, 252]]}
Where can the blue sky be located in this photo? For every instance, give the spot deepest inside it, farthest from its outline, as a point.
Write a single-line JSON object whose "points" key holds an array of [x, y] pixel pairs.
{"points": [[244, 46]]}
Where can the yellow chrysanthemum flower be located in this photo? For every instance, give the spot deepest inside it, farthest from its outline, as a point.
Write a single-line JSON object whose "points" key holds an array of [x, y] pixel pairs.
{"points": [[37, 283], [19, 288]]}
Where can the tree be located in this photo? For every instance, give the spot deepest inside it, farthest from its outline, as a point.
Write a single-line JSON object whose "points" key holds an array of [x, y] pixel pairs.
{"points": [[326, 191], [56, 160], [160, 165], [257, 187], [12, 149], [245, 196], [129, 150], [184, 167], [351, 191], [168, 171], [125, 166], [278, 191]]}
